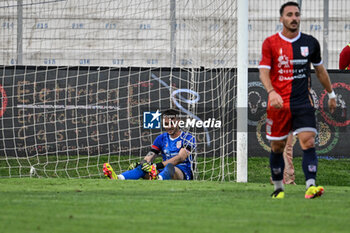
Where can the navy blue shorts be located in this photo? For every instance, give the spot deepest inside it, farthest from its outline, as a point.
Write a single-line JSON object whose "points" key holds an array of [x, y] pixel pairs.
{"points": [[303, 119], [185, 170]]}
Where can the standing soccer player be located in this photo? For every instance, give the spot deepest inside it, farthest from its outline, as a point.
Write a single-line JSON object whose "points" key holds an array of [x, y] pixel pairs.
{"points": [[176, 148], [284, 72]]}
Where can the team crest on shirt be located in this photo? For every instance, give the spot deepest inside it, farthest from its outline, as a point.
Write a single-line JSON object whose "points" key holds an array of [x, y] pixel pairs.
{"points": [[178, 144], [304, 50]]}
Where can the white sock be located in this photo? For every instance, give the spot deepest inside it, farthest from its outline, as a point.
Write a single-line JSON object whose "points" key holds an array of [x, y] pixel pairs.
{"points": [[160, 177], [121, 177], [310, 182], [278, 184]]}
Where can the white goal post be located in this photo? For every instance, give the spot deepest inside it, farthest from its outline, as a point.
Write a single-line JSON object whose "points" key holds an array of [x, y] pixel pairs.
{"points": [[242, 91], [77, 78]]}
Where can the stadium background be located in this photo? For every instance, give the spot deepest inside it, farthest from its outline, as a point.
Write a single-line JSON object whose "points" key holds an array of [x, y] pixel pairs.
{"points": [[61, 125], [61, 32]]}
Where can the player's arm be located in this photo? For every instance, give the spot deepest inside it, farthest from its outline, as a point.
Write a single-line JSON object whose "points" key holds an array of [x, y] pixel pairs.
{"points": [[148, 159], [323, 76], [275, 99], [265, 64], [179, 158], [151, 155], [155, 149]]}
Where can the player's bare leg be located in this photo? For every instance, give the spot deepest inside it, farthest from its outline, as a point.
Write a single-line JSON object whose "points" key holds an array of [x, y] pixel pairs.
{"points": [[178, 175], [307, 139], [175, 172]]}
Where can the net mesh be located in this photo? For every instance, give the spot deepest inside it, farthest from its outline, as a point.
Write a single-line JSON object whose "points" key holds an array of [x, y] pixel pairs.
{"points": [[85, 72]]}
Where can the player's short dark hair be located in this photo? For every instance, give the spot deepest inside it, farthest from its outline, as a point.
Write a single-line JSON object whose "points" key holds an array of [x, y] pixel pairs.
{"points": [[288, 4], [171, 113]]}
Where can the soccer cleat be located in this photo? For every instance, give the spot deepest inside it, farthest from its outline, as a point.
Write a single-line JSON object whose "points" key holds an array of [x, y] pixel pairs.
{"points": [[278, 194], [313, 192], [108, 171], [153, 174]]}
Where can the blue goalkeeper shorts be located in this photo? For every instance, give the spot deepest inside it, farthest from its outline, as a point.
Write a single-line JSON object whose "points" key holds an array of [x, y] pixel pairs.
{"points": [[186, 171]]}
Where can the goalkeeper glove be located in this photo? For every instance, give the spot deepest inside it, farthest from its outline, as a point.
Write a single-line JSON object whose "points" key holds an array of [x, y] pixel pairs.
{"points": [[151, 169], [133, 165], [147, 167]]}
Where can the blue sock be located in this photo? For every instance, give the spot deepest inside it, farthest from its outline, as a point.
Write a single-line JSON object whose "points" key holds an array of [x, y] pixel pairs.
{"points": [[134, 174], [310, 163], [167, 172], [276, 165]]}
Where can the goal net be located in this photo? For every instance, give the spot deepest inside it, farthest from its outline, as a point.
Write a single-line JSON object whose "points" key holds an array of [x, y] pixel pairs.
{"points": [[78, 79]]}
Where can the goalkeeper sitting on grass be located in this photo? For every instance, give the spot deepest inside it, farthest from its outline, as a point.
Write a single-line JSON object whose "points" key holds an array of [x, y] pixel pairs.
{"points": [[175, 147]]}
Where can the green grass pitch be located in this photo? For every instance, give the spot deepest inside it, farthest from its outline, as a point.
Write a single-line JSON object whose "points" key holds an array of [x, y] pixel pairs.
{"points": [[100, 205]]}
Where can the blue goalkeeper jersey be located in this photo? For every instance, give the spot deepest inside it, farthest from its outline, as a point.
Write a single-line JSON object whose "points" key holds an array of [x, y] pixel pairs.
{"points": [[170, 147]]}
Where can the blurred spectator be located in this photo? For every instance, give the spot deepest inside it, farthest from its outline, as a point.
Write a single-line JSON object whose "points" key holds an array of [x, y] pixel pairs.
{"points": [[288, 174], [344, 58]]}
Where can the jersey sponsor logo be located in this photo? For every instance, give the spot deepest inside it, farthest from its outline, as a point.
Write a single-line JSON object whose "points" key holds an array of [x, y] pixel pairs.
{"points": [[170, 154], [304, 50], [283, 61], [151, 120], [166, 153], [298, 61], [291, 71], [299, 76]]}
